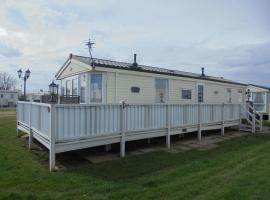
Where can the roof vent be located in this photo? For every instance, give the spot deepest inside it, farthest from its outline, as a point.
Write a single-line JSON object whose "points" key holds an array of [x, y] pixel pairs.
{"points": [[134, 64], [202, 75]]}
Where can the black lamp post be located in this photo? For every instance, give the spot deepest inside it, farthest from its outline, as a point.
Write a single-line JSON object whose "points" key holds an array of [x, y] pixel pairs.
{"points": [[53, 91], [248, 94], [25, 77]]}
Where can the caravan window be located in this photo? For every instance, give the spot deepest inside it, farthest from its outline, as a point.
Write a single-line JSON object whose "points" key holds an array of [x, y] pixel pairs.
{"points": [[75, 86], [68, 87], [200, 93], [259, 101], [161, 86], [186, 94], [229, 95], [83, 88], [96, 88]]}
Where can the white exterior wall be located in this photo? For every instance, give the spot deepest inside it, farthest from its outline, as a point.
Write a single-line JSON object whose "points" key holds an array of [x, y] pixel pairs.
{"points": [[119, 83], [119, 88], [124, 84]]}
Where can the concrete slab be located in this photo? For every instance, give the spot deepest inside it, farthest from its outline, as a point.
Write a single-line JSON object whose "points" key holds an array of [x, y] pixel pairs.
{"points": [[184, 144], [102, 158], [207, 147]]}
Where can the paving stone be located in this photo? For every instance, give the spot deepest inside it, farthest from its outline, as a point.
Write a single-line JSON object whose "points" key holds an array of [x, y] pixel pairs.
{"points": [[102, 158], [207, 147], [183, 147], [207, 142]]}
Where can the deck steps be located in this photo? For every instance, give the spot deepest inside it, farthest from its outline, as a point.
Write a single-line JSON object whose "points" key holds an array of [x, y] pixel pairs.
{"points": [[251, 121]]}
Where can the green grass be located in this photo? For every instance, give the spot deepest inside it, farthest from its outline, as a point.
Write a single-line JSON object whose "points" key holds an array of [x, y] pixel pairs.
{"points": [[237, 169], [266, 123], [7, 109]]}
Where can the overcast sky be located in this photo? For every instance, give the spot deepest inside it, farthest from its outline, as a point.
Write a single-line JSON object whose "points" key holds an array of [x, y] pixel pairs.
{"points": [[228, 38]]}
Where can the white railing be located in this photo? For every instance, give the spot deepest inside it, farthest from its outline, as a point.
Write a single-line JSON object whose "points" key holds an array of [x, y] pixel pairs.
{"points": [[34, 116], [253, 118], [65, 127]]}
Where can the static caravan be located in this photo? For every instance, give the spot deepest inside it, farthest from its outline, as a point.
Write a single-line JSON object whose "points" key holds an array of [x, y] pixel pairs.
{"points": [[8, 98], [105, 81], [260, 96], [156, 102]]}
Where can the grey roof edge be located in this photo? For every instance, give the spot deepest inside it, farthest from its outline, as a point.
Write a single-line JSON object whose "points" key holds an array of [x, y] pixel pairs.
{"points": [[61, 68], [140, 68], [260, 86]]}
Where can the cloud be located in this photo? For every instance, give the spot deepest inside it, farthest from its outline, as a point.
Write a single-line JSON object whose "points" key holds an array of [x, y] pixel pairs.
{"points": [[7, 51], [230, 39]]}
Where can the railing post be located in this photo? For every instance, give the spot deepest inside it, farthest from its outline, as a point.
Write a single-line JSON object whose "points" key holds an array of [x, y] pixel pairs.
{"points": [[17, 130], [240, 117], [261, 121], [253, 120], [123, 139], [168, 124], [222, 119], [30, 139], [199, 123], [52, 136]]}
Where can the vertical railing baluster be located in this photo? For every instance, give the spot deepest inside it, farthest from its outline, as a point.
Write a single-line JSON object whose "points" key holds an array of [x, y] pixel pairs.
{"points": [[199, 123], [222, 119], [168, 125], [30, 141], [123, 122]]}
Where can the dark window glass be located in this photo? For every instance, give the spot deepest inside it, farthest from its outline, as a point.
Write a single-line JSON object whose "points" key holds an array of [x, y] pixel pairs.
{"points": [[186, 94], [200, 93]]}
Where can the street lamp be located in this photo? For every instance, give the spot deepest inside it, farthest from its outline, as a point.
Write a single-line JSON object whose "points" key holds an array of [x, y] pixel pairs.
{"points": [[53, 91], [25, 77], [248, 94]]}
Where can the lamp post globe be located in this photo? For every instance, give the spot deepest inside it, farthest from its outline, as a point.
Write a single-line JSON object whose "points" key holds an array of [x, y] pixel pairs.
{"points": [[19, 73], [53, 88], [27, 73]]}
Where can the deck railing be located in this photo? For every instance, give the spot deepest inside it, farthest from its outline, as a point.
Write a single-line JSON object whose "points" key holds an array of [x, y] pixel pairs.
{"points": [[64, 127]]}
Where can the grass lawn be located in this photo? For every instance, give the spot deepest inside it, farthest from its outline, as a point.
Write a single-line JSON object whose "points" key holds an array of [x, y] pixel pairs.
{"points": [[7, 109], [266, 123], [238, 169]]}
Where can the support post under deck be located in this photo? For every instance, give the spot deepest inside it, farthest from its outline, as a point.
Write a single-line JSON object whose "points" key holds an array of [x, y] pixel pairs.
{"points": [[52, 138]]}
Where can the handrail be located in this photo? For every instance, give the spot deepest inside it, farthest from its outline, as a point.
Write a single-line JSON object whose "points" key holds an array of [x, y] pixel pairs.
{"points": [[254, 115], [253, 109], [249, 114]]}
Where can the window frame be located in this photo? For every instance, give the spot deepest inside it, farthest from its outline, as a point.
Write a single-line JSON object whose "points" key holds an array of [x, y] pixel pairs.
{"points": [[228, 95], [70, 89], [166, 100], [80, 87], [181, 93], [103, 87], [197, 92], [76, 78], [260, 104]]}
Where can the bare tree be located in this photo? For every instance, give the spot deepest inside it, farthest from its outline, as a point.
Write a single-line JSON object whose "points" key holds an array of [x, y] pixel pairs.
{"points": [[7, 81]]}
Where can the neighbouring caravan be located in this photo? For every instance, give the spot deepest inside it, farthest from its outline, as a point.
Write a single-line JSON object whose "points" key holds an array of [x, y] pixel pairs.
{"points": [[8, 98], [260, 97], [105, 81]]}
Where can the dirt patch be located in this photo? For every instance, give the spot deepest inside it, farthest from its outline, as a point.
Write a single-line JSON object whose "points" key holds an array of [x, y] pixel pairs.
{"points": [[7, 113]]}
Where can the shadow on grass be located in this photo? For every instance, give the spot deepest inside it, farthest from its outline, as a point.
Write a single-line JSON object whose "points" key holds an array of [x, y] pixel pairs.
{"points": [[135, 166]]}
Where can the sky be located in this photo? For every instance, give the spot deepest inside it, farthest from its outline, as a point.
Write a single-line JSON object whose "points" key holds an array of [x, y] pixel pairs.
{"points": [[230, 38]]}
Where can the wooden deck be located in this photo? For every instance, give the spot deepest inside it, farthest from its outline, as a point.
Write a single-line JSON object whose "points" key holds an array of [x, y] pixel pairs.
{"points": [[62, 128]]}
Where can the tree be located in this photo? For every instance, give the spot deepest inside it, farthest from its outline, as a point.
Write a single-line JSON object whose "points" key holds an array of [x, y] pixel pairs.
{"points": [[7, 82]]}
